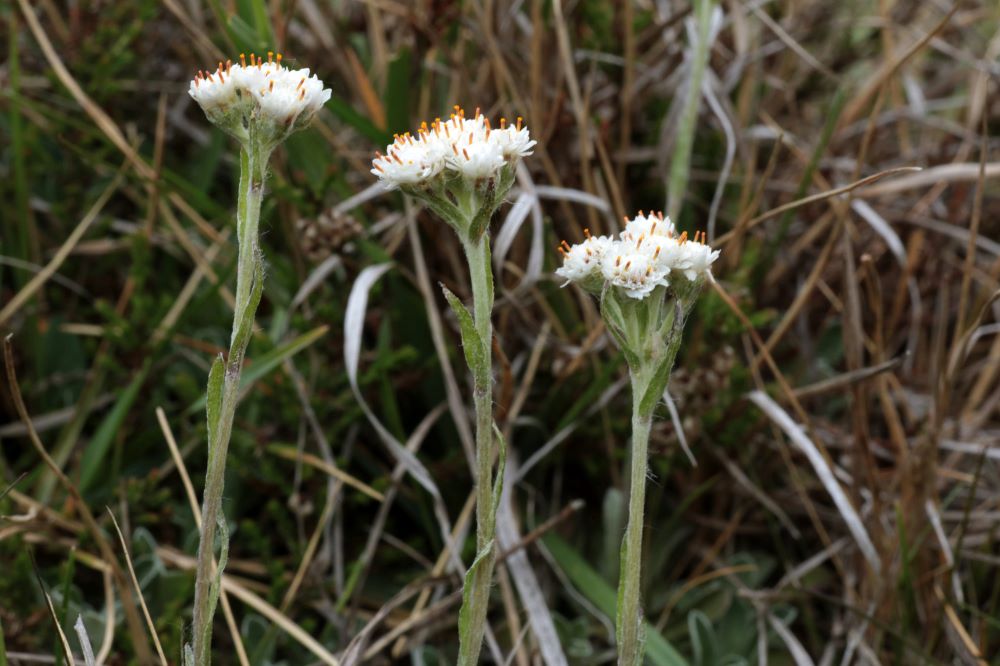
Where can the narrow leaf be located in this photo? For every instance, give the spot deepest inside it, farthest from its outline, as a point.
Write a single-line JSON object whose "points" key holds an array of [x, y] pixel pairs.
{"points": [[472, 344], [483, 565], [95, 455], [263, 365], [597, 591], [216, 377]]}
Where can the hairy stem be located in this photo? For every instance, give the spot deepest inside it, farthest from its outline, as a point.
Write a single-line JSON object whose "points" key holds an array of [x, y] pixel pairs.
{"points": [[630, 649], [477, 252], [248, 271]]}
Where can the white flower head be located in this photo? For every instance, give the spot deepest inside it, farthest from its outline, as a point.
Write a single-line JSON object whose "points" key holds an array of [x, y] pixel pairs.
{"points": [[636, 273], [695, 258], [466, 147], [645, 255], [654, 224], [514, 141], [476, 160], [582, 262], [409, 161], [262, 98]]}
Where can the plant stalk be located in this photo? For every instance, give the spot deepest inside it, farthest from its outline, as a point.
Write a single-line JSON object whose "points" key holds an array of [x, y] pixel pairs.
{"points": [[477, 253], [253, 162], [630, 644]]}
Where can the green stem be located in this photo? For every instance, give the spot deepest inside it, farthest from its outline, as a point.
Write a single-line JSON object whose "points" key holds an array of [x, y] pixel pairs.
{"points": [[477, 252], [630, 644], [249, 266]]}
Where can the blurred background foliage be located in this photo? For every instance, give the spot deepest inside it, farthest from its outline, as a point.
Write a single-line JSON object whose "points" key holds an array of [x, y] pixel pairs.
{"points": [[865, 316]]}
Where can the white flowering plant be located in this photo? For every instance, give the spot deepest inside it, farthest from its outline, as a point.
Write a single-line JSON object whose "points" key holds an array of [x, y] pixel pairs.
{"points": [[260, 104], [461, 169], [647, 279]]}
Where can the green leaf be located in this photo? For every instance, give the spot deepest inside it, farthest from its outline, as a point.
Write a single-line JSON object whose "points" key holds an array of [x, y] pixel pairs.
{"points": [[3, 648], [262, 21], [346, 113], [702, 639], [268, 362], [598, 592], [483, 565], [244, 34], [94, 460], [244, 327], [399, 84], [657, 385], [216, 378], [472, 344], [613, 318], [498, 480]]}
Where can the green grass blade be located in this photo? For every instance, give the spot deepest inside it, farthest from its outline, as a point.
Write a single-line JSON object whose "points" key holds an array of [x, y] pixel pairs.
{"points": [[94, 461], [596, 589], [263, 365]]}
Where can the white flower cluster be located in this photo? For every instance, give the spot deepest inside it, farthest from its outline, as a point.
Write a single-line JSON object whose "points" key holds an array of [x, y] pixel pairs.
{"points": [[467, 146], [646, 255], [234, 95]]}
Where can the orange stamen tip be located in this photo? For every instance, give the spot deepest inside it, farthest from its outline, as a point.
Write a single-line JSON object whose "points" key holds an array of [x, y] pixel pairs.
{"points": [[586, 232], [466, 153]]}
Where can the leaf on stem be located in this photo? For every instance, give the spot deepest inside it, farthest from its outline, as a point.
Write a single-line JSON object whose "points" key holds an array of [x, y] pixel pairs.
{"points": [[482, 566], [613, 317], [472, 344], [216, 377], [245, 326]]}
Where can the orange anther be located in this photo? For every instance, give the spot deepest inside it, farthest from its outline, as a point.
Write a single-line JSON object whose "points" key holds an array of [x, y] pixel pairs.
{"points": [[270, 57], [503, 122], [519, 119], [586, 232], [466, 153], [243, 60], [278, 57]]}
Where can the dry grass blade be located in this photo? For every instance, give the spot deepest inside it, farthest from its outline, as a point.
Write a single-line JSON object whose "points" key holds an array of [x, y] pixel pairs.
{"points": [[935, 175], [289, 453], [63, 641], [134, 624], [64, 251], [774, 212], [798, 437], [528, 588], [81, 635], [138, 590], [795, 648]]}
